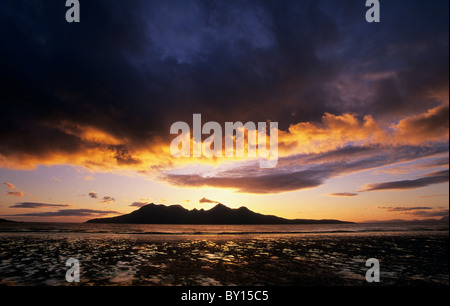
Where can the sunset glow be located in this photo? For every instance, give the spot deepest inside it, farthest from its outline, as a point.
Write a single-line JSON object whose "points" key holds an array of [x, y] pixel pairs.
{"points": [[363, 130]]}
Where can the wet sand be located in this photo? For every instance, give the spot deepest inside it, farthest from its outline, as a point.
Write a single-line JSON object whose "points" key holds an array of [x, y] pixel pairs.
{"points": [[272, 260]]}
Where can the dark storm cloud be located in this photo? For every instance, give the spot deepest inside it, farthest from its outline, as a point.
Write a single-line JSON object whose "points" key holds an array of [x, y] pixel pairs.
{"points": [[408, 91], [131, 69], [394, 65]]}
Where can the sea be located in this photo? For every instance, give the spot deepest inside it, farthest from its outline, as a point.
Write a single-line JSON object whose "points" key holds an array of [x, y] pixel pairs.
{"points": [[89, 254]]}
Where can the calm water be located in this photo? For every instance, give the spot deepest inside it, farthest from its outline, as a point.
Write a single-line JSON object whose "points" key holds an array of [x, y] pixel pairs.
{"points": [[187, 230], [118, 254]]}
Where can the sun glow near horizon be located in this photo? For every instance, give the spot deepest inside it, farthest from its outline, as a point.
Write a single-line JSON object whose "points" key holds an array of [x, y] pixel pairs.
{"points": [[362, 129]]}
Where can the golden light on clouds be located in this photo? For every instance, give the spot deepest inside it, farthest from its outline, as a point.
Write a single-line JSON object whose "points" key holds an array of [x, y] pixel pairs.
{"points": [[101, 151], [426, 127]]}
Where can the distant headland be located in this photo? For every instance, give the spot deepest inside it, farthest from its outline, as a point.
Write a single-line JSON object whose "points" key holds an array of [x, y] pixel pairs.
{"points": [[6, 221]]}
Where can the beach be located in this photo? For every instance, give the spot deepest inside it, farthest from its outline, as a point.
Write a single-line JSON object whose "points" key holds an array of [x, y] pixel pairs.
{"points": [[243, 258]]}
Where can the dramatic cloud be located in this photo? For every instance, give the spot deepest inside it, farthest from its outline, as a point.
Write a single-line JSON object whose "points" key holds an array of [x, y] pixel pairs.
{"points": [[343, 194], [431, 126], [429, 179], [332, 133], [306, 171], [205, 200], [348, 96], [335, 132], [70, 213], [109, 102], [36, 205], [271, 183]]}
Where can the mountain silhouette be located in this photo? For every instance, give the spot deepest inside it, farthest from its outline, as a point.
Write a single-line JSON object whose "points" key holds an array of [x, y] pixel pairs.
{"points": [[6, 221], [219, 214], [443, 219]]}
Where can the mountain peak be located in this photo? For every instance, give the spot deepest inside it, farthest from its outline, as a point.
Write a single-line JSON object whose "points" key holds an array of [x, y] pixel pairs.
{"points": [[220, 206], [243, 208]]}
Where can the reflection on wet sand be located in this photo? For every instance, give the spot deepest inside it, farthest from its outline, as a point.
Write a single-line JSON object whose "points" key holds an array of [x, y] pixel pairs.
{"points": [[322, 259]]}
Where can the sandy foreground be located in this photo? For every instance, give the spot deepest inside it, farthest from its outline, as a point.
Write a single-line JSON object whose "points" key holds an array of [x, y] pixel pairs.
{"points": [[268, 260]]}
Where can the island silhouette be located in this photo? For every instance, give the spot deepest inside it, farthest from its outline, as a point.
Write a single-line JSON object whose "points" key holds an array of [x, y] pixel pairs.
{"points": [[219, 214]]}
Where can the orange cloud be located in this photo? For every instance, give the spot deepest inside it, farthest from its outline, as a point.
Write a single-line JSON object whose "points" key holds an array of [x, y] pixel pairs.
{"points": [[335, 131], [96, 157], [430, 126], [99, 150], [15, 193], [10, 186], [338, 131]]}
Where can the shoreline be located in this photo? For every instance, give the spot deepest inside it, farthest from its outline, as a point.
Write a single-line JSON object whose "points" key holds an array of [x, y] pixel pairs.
{"points": [[409, 258]]}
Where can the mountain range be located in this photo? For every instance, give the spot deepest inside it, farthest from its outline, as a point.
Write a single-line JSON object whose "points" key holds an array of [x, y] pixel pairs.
{"points": [[219, 214], [430, 220]]}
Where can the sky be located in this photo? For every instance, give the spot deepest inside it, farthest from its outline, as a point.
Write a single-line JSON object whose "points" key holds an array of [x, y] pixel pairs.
{"points": [[362, 108]]}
